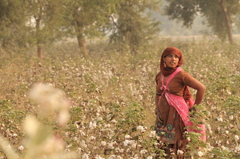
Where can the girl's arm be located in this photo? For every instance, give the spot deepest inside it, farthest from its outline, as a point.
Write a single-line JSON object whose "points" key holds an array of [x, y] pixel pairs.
{"points": [[198, 86]]}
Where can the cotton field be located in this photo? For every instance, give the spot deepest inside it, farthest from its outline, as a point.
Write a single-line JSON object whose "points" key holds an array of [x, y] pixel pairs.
{"points": [[102, 107]]}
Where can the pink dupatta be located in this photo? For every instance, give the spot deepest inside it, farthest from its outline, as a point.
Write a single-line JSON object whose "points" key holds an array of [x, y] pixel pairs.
{"points": [[181, 106]]}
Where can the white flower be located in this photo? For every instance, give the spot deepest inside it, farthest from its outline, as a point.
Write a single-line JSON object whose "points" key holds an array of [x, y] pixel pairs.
{"points": [[107, 125], [224, 148], [141, 129], [237, 149], [31, 125], [83, 144], [21, 148], [220, 119], [152, 134], [112, 157], [135, 156], [156, 144], [97, 114], [213, 108], [110, 145], [63, 117], [114, 121], [119, 157], [92, 125], [14, 135], [209, 128], [103, 143], [85, 156], [126, 142], [231, 117], [139, 146], [99, 157], [179, 152], [82, 132], [236, 137], [200, 153], [133, 144], [226, 132], [228, 92], [127, 137], [209, 147], [50, 98], [119, 150], [142, 152], [92, 138], [67, 134]]}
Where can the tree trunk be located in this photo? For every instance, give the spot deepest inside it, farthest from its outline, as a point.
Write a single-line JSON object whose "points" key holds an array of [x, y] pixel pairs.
{"points": [[227, 21], [38, 23], [82, 45], [39, 51]]}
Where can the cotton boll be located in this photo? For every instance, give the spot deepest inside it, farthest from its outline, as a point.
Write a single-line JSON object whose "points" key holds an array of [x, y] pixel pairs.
{"points": [[63, 118], [83, 144], [103, 143], [200, 153], [127, 137], [31, 125], [92, 138], [231, 117], [180, 152], [152, 134], [236, 137], [21, 148], [85, 156], [143, 152]]}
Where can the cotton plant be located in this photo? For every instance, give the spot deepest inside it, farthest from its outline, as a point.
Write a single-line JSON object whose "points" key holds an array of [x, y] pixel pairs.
{"points": [[40, 140]]}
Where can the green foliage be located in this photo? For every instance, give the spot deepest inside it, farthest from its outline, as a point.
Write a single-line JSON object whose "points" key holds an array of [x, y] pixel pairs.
{"points": [[44, 20], [132, 117], [132, 26], [219, 14], [12, 18]]}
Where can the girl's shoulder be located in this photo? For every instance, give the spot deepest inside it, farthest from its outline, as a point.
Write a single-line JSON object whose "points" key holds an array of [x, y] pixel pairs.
{"points": [[182, 74]]}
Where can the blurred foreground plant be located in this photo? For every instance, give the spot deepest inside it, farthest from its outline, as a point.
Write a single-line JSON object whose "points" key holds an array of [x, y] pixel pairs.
{"points": [[40, 140]]}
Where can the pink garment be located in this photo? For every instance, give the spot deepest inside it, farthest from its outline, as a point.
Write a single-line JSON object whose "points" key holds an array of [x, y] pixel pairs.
{"points": [[181, 106]]}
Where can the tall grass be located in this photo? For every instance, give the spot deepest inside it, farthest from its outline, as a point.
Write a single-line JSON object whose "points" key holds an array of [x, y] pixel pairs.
{"points": [[112, 97]]}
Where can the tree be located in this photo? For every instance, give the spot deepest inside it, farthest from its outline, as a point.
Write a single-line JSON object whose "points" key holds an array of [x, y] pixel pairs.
{"points": [[45, 18], [87, 19], [132, 25], [11, 20], [219, 14]]}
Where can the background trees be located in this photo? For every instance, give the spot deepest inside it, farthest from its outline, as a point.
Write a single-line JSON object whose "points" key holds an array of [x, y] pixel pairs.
{"points": [[128, 24], [12, 26], [86, 19], [133, 25], [220, 14], [44, 21]]}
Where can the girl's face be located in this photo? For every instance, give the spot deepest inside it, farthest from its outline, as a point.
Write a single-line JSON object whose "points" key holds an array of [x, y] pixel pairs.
{"points": [[171, 60]]}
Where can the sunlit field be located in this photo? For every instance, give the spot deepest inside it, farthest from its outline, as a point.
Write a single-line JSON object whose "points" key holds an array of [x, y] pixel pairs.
{"points": [[110, 101]]}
